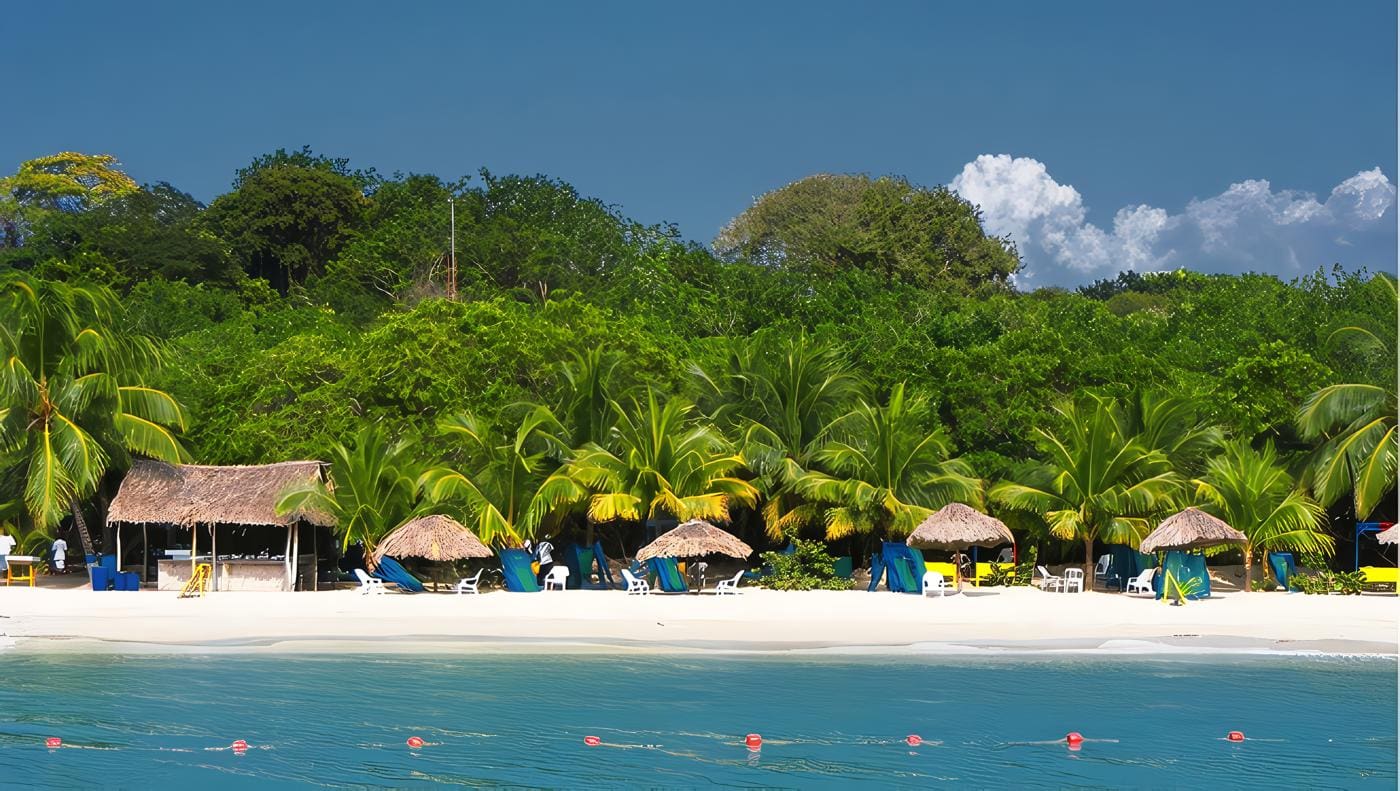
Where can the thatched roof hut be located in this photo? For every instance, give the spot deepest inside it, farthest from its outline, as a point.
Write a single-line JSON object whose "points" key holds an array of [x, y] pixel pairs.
{"points": [[957, 526], [1191, 529], [191, 494], [1390, 535], [433, 537], [695, 539]]}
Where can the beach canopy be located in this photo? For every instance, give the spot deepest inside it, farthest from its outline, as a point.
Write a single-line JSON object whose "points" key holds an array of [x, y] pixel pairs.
{"points": [[1390, 535], [958, 526], [193, 494], [433, 537], [695, 539], [1191, 529]]}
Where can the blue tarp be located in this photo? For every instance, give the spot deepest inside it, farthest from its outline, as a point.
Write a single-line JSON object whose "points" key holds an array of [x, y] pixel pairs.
{"points": [[1183, 567], [902, 567], [1126, 564], [1281, 564], [583, 562], [518, 573], [668, 575], [390, 570]]}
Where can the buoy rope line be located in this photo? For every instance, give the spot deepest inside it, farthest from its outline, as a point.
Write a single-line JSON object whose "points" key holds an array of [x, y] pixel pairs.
{"points": [[752, 742]]}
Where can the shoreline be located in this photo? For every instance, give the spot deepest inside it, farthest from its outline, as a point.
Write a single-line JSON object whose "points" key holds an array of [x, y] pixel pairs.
{"points": [[982, 622]]}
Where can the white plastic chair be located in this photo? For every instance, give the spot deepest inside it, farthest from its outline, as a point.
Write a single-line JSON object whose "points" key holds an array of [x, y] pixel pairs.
{"points": [[470, 584], [730, 586], [1142, 583], [933, 581], [369, 584], [635, 585], [1049, 581], [557, 577], [1074, 578], [1101, 568]]}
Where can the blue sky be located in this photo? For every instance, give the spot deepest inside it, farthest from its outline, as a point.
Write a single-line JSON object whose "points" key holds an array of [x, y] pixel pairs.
{"points": [[1206, 134]]}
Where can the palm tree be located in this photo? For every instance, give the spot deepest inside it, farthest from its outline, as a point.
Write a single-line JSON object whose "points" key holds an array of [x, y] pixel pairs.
{"points": [[73, 398], [781, 398], [585, 403], [372, 489], [659, 460], [885, 469], [1355, 423], [1100, 481], [510, 482], [1253, 492]]}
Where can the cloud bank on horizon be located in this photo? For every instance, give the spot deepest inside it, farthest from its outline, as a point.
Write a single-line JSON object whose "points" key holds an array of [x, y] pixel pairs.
{"points": [[1250, 227]]}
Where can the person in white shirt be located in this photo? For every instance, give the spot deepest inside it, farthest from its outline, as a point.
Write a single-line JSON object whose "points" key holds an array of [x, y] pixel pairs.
{"points": [[7, 545], [60, 554], [544, 555]]}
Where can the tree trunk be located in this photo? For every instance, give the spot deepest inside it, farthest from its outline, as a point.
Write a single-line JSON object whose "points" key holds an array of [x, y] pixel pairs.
{"points": [[1248, 569], [80, 525], [1088, 564]]}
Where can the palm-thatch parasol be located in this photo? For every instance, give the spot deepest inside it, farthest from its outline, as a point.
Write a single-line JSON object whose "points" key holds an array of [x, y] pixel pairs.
{"points": [[1390, 535], [1191, 529], [433, 537], [956, 526], [695, 539]]}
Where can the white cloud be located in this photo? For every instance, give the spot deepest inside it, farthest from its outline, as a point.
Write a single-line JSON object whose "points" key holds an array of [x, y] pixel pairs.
{"points": [[1248, 227]]}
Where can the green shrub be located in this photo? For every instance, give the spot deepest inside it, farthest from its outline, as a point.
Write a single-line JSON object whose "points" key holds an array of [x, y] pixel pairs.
{"points": [[1006, 575], [809, 567], [1347, 583]]}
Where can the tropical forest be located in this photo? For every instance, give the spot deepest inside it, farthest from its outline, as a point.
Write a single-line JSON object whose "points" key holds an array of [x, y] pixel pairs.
{"points": [[848, 354]]}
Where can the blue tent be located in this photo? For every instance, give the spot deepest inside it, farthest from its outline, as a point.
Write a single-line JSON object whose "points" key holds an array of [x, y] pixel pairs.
{"points": [[901, 565], [1127, 563], [583, 563], [668, 575], [1183, 567], [1281, 564], [390, 570], [517, 570]]}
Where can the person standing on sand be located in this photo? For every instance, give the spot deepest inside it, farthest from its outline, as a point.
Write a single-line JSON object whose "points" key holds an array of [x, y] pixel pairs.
{"points": [[7, 545], [60, 554], [544, 555]]}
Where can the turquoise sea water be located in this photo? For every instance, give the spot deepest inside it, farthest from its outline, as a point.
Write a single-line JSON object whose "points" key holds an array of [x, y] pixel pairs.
{"points": [[680, 721]]}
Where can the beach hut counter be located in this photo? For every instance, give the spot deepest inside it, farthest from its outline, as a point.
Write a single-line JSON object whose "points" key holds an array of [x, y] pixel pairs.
{"points": [[232, 506]]}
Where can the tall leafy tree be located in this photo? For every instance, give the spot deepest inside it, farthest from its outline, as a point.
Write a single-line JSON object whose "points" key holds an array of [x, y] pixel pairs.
{"points": [[886, 468], [373, 489], [1355, 424], [661, 460], [1253, 492], [509, 483], [825, 224], [285, 222], [64, 182], [74, 394], [1099, 480]]}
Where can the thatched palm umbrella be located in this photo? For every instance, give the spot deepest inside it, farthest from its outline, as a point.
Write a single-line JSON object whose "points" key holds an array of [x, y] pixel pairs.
{"points": [[956, 527], [1390, 535], [695, 539], [1191, 529], [433, 537]]}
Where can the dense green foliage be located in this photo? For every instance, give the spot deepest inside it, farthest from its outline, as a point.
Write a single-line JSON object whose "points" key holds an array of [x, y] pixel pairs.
{"points": [[808, 567], [854, 357]]}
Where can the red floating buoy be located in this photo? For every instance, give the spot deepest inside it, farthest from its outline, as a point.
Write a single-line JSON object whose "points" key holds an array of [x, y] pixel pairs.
{"points": [[592, 741], [1073, 739], [913, 740], [415, 742], [53, 742], [1235, 736], [754, 742]]}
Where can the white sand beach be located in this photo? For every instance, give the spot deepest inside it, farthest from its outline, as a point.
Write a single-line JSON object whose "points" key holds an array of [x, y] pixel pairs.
{"points": [[992, 619]]}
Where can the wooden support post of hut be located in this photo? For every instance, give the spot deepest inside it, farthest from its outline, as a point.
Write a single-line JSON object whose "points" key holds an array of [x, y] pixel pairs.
{"points": [[191, 497]]}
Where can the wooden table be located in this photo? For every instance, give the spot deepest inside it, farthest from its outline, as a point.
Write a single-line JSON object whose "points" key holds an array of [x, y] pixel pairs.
{"points": [[23, 560]]}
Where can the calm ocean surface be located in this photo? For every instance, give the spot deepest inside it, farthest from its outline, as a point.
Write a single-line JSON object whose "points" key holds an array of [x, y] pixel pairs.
{"points": [[342, 722]]}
